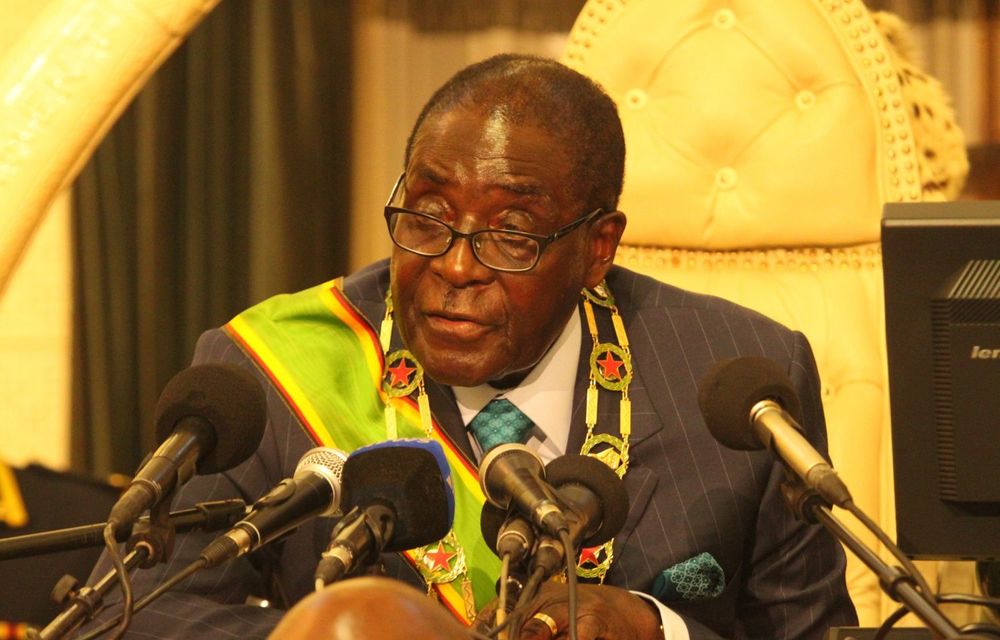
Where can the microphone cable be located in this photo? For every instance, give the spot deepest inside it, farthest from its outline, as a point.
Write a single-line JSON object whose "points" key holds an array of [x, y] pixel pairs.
{"points": [[111, 544], [501, 613], [897, 553], [189, 570], [528, 592], [809, 508], [571, 556], [163, 587], [893, 579], [948, 598]]}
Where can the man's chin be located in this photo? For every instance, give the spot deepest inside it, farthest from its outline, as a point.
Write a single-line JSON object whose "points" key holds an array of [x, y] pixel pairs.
{"points": [[456, 376], [460, 369]]}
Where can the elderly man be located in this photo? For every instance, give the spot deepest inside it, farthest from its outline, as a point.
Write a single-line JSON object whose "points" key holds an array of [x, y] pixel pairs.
{"points": [[500, 305]]}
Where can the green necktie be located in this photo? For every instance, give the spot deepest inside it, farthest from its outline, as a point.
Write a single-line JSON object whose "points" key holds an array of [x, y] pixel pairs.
{"points": [[500, 422]]}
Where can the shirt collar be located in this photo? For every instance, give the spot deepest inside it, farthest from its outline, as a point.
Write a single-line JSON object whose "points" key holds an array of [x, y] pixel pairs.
{"points": [[545, 395]]}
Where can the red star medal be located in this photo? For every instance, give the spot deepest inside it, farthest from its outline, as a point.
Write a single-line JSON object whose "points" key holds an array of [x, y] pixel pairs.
{"points": [[440, 558], [611, 367], [589, 556], [401, 374]]}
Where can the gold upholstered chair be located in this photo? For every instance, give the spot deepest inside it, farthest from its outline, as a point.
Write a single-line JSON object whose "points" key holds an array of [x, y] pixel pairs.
{"points": [[763, 139]]}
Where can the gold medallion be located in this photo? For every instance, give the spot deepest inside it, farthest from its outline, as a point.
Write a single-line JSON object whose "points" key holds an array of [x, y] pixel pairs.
{"points": [[442, 561], [600, 295], [402, 374], [594, 562], [611, 366], [613, 455]]}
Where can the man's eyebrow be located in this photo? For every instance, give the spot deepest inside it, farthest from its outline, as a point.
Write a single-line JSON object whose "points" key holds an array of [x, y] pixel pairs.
{"points": [[524, 188], [426, 173]]}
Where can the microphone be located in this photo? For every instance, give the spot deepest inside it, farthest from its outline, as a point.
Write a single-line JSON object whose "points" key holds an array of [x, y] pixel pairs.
{"points": [[398, 495], [506, 533], [596, 508], [209, 418], [314, 490], [749, 404], [513, 474], [509, 535]]}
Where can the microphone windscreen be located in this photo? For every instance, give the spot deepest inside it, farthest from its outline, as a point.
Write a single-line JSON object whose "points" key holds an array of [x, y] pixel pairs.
{"points": [[405, 477], [227, 398], [602, 481], [732, 387], [435, 449]]}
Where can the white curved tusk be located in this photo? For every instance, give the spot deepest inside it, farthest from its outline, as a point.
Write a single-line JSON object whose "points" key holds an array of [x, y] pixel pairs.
{"points": [[62, 85]]}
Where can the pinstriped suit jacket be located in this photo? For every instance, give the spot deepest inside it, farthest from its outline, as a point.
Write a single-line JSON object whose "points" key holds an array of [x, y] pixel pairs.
{"points": [[688, 495]]}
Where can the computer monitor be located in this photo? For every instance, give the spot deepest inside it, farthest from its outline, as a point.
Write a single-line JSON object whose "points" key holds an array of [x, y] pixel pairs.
{"points": [[941, 265]]}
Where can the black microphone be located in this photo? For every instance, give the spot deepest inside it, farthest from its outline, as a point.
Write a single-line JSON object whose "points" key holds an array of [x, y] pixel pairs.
{"points": [[398, 496], [750, 404], [209, 418], [314, 490], [513, 474], [507, 533], [596, 507]]}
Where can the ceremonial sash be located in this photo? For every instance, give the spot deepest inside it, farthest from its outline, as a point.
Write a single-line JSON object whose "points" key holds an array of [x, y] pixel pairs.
{"points": [[326, 361]]}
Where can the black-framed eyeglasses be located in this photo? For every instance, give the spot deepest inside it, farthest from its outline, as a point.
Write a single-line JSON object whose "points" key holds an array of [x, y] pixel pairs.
{"points": [[501, 250]]}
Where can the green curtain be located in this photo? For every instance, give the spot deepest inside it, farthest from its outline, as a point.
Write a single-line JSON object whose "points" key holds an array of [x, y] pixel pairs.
{"points": [[226, 181]]}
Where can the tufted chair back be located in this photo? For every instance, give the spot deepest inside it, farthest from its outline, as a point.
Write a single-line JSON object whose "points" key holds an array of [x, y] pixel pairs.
{"points": [[763, 139]]}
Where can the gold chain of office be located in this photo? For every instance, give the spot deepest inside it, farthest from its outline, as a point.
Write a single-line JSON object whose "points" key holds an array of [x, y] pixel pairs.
{"points": [[610, 367]]}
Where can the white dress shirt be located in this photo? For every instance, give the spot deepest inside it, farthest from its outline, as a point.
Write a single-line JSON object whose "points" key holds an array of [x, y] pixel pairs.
{"points": [[546, 396]]}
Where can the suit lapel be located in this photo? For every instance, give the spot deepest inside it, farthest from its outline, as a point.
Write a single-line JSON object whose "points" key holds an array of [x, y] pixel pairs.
{"points": [[578, 419]]}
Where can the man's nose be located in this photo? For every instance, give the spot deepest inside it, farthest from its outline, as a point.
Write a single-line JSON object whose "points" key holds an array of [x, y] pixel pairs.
{"points": [[460, 267]]}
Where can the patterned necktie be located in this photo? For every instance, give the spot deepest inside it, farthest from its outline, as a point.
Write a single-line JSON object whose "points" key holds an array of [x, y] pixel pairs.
{"points": [[500, 422]]}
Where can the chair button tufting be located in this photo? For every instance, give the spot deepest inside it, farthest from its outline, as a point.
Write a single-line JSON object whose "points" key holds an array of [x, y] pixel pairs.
{"points": [[636, 98], [724, 19], [725, 178], [805, 99]]}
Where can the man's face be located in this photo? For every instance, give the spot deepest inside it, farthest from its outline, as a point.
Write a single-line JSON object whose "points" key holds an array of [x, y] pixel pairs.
{"points": [[468, 324]]}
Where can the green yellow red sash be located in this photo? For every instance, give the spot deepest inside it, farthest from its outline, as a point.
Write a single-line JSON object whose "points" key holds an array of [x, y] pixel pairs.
{"points": [[326, 361]]}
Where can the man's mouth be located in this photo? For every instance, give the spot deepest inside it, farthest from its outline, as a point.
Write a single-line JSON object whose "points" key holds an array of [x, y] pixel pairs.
{"points": [[457, 326]]}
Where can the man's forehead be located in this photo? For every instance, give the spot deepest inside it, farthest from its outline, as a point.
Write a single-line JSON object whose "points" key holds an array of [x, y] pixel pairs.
{"points": [[521, 184], [464, 143], [487, 132]]}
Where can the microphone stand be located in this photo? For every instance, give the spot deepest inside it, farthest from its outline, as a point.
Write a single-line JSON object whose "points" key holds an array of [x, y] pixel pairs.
{"points": [[151, 542], [807, 505], [87, 602], [210, 515]]}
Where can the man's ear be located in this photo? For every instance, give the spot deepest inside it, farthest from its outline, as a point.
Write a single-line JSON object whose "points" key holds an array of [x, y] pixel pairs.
{"points": [[605, 233]]}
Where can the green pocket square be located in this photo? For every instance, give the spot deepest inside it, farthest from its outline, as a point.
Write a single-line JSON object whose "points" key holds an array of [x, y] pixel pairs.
{"points": [[697, 578]]}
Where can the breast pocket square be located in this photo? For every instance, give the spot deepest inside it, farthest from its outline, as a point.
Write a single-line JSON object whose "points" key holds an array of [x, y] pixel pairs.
{"points": [[697, 578]]}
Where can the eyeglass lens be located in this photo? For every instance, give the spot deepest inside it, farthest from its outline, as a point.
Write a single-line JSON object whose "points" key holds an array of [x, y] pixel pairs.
{"points": [[495, 249]]}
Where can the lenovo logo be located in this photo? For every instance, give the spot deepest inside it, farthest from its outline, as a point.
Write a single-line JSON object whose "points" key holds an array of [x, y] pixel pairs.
{"points": [[978, 353]]}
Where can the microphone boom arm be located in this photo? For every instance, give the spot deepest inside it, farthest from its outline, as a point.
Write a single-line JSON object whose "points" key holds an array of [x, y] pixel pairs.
{"points": [[898, 585], [211, 516]]}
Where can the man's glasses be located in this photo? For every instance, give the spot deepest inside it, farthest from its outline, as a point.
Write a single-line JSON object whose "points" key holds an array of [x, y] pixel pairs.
{"points": [[510, 251]]}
